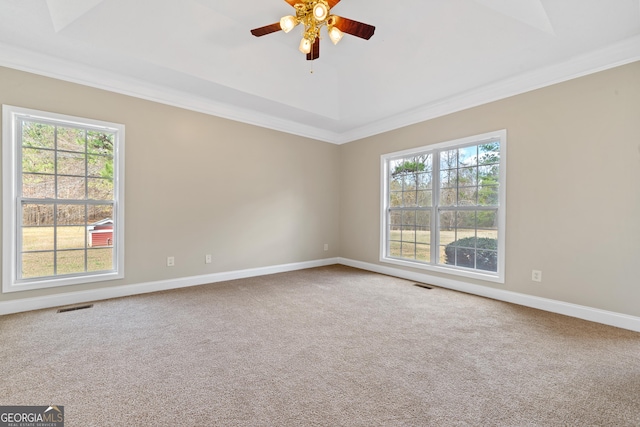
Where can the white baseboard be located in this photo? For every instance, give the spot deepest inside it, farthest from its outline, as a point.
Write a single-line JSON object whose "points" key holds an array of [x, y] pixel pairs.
{"points": [[581, 312], [610, 318], [68, 298]]}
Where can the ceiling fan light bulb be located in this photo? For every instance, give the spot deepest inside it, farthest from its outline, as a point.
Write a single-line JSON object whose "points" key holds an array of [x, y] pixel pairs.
{"points": [[305, 46], [320, 11], [287, 23], [335, 35]]}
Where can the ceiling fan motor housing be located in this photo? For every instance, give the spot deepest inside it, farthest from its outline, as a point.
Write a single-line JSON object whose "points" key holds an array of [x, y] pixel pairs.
{"points": [[313, 14]]}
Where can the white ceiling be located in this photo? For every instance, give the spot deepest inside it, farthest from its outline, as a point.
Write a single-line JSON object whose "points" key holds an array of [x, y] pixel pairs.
{"points": [[427, 57]]}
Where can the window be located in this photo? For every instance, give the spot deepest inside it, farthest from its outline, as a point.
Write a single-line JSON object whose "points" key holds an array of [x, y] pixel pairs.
{"points": [[443, 207], [63, 190]]}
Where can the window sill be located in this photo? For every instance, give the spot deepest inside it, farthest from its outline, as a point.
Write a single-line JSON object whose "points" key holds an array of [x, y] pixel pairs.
{"points": [[28, 285], [455, 271]]}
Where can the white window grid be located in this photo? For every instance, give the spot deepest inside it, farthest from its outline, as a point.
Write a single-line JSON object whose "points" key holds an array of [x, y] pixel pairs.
{"points": [[14, 200], [433, 210]]}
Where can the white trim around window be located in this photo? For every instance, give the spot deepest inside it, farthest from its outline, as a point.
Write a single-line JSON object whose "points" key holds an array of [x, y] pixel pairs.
{"points": [[443, 208], [55, 184]]}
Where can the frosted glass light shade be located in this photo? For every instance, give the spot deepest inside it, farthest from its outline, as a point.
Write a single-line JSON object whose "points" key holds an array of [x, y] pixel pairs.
{"points": [[305, 46], [287, 23], [335, 35], [320, 11]]}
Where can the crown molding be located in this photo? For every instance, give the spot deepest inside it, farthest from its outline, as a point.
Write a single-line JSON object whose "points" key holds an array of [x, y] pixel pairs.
{"points": [[60, 69], [618, 54]]}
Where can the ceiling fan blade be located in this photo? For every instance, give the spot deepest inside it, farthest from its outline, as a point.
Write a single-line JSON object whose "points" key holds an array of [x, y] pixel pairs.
{"points": [[332, 3], [294, 2], [355, 28], [267, 29], [315, 50]]}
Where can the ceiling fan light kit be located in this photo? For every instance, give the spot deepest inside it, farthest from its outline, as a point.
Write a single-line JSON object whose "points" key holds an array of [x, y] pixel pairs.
{"points": [[315, 14]]}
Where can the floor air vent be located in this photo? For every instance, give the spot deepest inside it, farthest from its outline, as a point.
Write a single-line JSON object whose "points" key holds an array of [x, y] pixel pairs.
{"points": [[77, 307], [420, 285]]}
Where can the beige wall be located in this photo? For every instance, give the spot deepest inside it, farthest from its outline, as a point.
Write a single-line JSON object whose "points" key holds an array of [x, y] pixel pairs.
{"points": [[197, 184], [573, 187], [252, 197]]}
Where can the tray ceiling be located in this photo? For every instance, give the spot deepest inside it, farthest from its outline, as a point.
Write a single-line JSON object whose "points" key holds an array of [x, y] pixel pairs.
{"points": [[427, 58]]}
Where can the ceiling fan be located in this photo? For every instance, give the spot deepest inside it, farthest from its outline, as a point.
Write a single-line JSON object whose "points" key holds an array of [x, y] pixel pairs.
{"points": [[314, 14]]}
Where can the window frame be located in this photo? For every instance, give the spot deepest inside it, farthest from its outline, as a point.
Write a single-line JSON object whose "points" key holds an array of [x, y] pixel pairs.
{"points": [[11, 199], [434, 209]]}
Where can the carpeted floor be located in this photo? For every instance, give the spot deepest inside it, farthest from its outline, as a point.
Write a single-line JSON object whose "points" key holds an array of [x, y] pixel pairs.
{"points": [[331, 346]]}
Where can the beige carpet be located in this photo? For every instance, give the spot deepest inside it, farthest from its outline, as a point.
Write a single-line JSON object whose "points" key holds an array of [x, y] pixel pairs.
{"points": [[330, 346]]}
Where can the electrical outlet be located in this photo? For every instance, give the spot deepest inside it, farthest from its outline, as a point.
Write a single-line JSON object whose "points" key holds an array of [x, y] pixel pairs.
{"points": [[207, 259], [536, 275], [171, 261], [326, 246]]}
